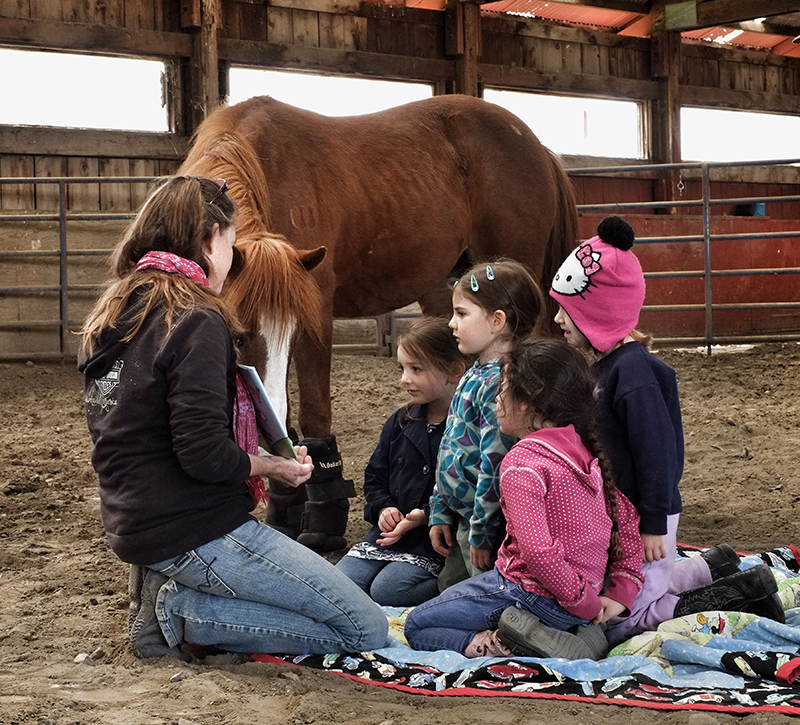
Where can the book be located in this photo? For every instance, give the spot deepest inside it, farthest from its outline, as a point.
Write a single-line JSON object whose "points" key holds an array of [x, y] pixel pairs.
{"points": [[272, 428]]}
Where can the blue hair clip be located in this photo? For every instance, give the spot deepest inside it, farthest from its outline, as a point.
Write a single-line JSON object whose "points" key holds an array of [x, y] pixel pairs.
{"points": [[489, 273], [473, 283], [455, 284]]}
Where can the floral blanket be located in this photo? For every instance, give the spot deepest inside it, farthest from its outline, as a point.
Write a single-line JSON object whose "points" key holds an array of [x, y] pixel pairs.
{"points": [[726, 661]]}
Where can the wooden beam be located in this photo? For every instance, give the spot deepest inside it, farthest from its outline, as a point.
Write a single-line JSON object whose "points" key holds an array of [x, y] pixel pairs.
{"points": [[80, 142], [50, 35], [516, 78], [463, 43], [331, 60], [693, 14]]}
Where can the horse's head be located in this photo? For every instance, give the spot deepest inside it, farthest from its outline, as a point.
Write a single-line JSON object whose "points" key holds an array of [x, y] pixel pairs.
{"points": [[275, 297]]}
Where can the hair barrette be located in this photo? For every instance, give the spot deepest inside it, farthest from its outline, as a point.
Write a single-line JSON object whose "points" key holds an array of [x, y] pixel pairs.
{"points": [[473, 283], [489, 273]]}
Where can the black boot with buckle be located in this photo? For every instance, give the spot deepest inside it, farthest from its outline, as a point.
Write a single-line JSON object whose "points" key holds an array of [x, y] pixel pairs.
{"points": [[325, 512]]}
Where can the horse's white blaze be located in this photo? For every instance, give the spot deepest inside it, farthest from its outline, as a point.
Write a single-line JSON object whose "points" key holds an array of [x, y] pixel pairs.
{"points": [[277, 369]]}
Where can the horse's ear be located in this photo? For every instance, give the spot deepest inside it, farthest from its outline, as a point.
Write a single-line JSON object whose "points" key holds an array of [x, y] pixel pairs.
{"points": [[311, 258]]}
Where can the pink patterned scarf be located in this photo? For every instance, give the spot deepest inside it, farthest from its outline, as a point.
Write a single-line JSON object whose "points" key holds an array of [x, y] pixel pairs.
{"points": [[244, 413]]}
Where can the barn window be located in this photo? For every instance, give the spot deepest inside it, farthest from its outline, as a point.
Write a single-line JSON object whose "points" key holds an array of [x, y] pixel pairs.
{"points": [[81, 91], [580, 126], [330, 95], [712, 134]]}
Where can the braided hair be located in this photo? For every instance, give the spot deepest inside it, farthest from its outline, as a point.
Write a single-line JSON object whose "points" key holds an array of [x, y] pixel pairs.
{"points": [[554, 380]]}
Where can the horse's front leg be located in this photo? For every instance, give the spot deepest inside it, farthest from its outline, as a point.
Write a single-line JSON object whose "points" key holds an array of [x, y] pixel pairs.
{"points": [[312, 361]]}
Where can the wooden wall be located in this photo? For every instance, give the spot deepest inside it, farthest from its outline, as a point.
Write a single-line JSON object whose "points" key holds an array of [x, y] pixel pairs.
{"points": [[457, 50]]}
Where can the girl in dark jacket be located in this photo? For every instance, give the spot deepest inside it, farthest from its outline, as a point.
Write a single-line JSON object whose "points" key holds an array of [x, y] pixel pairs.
{"points": [[396, 564]]}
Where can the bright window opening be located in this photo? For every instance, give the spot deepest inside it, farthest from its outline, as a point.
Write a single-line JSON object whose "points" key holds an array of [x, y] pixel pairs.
{"points": [[81, 91], [580, 126], [716, 135], [329, 95]]}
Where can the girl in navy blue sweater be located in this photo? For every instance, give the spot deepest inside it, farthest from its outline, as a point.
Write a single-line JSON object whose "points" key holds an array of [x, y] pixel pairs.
{"points": [[396, 563]]}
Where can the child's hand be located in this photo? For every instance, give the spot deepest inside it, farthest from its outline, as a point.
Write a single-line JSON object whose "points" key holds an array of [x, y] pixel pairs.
{"points": [[482, 559], [389, 518], [414, 519], [441, 538], [609, 610], [655, 547]]}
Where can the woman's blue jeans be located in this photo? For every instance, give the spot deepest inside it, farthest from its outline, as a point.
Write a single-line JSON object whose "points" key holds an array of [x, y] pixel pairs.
{"points": [[452, 619], [255, 590]]}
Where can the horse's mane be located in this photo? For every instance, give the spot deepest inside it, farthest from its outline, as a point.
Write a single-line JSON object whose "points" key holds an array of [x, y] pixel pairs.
{"points": [[271, 281]]}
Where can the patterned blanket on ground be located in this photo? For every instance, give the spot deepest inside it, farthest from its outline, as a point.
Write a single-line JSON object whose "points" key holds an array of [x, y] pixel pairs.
{"points": [[726, 661]]}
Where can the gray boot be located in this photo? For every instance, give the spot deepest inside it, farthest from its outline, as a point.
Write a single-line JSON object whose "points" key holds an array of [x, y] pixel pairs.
{"points": [[144, 630], [525, 635]]}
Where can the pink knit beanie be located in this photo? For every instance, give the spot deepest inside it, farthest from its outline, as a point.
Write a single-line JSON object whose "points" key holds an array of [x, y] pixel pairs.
{"points": [[601, 285]]}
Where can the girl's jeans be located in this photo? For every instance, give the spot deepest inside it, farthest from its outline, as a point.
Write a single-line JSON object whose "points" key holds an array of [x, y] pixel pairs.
{"points": [[452, 619], [255, 590], [391, 583]]}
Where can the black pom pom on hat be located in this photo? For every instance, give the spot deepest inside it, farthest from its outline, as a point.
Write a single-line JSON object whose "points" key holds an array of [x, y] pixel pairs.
{"points": [[614, 230]]}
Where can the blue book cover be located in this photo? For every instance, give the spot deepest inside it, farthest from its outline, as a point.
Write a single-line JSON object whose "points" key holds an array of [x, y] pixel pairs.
{"points": [[272, 428]]}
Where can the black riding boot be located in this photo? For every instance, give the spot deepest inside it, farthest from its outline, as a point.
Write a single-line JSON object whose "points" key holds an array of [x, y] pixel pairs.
{"points": [[325, 513], [722, 561], [753, 590]]}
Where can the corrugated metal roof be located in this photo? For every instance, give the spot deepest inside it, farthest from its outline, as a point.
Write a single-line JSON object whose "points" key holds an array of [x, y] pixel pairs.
{"points": [[580, 15]]}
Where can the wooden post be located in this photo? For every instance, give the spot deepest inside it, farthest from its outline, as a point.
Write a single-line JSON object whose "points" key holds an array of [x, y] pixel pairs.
{"points": [[204, 72], [665, 118], [463, 42]]}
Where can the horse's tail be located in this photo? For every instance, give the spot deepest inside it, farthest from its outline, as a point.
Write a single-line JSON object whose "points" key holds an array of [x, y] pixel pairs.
{"points": [[271, 283], [220, 151], [564, 234]]}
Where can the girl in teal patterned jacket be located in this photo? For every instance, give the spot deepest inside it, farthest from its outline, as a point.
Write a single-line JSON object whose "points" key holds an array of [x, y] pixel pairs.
{"points": [[494, 307]]}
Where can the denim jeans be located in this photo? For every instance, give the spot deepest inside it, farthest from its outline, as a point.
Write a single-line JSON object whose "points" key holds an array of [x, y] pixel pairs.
{"points": [[254, 590], [452, 619], [390, 583]]}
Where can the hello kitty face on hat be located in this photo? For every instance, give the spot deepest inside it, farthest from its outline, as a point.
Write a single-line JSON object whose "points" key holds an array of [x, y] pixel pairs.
{"points": [[574, 275]]}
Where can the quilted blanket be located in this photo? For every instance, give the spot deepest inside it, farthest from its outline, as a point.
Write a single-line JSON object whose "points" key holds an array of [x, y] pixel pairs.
{"points": [[726, 661]]}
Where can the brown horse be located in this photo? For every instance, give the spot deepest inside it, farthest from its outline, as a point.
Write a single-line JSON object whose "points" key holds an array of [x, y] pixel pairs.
{"points": [[399, 199]]}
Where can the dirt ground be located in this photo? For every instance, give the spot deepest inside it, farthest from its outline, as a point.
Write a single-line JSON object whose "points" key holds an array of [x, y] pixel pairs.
{"points": [[63, 593]]}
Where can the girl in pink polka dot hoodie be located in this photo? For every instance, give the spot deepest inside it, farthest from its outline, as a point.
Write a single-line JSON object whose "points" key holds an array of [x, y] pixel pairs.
{"points": [[572, 556]]}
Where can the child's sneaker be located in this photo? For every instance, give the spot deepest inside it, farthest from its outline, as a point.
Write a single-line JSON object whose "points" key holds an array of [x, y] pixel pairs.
{"points": [[486, 644]]}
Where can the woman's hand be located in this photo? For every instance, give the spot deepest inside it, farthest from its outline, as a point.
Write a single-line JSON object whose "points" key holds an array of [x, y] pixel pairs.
{"points": [[414, 519], [286, 470], [441, 538], [482, 559], [609, 610], [655, 546]]}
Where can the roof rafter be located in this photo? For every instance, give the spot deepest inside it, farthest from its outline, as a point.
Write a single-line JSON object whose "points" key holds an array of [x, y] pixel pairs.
{"points": [[694, 14]]}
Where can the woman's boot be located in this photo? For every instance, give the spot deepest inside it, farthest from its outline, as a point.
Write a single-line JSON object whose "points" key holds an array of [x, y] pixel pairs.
{"points": [[753, 590], [325, 511]]}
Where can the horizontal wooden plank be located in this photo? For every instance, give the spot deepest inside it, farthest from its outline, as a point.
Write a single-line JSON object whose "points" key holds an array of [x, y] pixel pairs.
{"points": [[51, 35], [706, 97], [331, 60], [498, 76], [86, 142]]}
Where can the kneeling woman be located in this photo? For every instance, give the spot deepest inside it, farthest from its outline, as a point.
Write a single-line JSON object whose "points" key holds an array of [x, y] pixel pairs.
{"points": [[160, 365]]}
